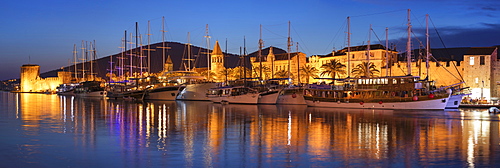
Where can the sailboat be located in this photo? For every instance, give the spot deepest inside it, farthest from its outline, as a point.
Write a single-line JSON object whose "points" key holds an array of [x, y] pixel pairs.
{"points": [[391, 92], [195, 85], [92, 87], [291, 95]]}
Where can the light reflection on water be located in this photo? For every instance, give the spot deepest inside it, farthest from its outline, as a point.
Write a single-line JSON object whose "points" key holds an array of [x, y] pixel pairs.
{"points": [[49, 130]]}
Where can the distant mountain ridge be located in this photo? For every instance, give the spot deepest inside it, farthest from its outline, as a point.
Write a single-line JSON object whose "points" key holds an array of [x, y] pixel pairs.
{"points": [[177, 52]]}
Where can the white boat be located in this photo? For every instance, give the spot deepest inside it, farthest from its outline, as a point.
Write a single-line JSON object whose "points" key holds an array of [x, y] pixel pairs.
{"points": [[455, 100], [195, 86], [233, 95], [291, 96], [405, 92], [66, 89], [164, 93], [268, 97]]}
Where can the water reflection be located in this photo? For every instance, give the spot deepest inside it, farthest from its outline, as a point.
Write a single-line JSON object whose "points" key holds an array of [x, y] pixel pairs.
{"points": [[201, 134]]}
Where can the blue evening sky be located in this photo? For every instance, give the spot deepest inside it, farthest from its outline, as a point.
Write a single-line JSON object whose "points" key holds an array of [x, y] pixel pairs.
{"points": [[44, 32]]}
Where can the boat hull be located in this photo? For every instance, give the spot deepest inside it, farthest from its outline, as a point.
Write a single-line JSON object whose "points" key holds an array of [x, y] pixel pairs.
{"points": [[268, 97], [250, 98], [164, 93], [196, 91], [92, 94], [455, 101], [434, 104], [291, 99]]}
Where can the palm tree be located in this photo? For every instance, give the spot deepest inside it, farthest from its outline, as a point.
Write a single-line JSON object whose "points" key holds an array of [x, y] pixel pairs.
{"points": [[281, 74], [333, 68], [309, 71], [365, 69], [265, 70]]}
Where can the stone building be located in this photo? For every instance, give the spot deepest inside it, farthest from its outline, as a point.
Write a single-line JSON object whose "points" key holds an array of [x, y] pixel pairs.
{"points": [[277, 65], [481, 72], [32, 82]]}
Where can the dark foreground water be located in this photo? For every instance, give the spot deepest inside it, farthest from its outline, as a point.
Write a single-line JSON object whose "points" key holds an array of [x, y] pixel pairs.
{"points": [[40, 130]]}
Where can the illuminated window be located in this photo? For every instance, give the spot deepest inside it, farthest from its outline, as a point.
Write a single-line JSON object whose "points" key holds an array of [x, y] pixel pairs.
{"points": [[471, 60], [477, 80]]}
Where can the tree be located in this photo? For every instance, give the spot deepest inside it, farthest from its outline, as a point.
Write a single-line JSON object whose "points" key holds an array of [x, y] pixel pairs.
{"points": [[239, 72], [265, 70], [205, 74], [365, 69], [225, 74], [281, 74], [333, 68], [309, 71]]}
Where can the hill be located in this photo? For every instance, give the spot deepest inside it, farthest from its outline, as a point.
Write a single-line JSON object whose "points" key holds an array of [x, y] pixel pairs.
{"points": [[177, 52]]}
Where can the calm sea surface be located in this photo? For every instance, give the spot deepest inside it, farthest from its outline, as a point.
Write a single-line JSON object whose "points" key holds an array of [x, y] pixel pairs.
{"points": [[39, 130]]}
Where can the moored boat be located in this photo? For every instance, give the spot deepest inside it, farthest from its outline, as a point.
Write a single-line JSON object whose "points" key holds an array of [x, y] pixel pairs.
{"points": [[404, 92], [291, 96], [164, 93], [90, 89], [233, 95]]}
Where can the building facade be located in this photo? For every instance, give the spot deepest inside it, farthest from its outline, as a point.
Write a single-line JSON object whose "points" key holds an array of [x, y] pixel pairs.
{"points": [[32, 82]]}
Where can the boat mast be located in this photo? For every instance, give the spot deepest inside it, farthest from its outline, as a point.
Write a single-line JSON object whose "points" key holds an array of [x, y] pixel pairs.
{"points": [[224, 61], [289, 44], [209, 58], [261, 43], [244, 60], [75, 61], [189, 52], [124, 52], [427, 45], [163, 41], [83, 60], [408, 46], [298, 64], [386, 51], [149, 48], [348, 47], [367, 70], [131, 68], [92, 55], [241, 63]]}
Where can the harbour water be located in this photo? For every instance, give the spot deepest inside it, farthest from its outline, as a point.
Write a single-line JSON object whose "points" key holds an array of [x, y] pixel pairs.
{"points": [[40, 130]]}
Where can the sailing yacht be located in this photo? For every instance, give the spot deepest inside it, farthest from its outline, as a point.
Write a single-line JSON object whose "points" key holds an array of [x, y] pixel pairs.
{"points": [[394, 92], [391, 92]]}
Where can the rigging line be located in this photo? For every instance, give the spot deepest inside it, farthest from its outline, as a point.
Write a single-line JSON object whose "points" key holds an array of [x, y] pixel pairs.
{"points": [[278, 24], [275, 33], [446, 49], [379, 13], [303, 43], [440, 65], [335, 36]]}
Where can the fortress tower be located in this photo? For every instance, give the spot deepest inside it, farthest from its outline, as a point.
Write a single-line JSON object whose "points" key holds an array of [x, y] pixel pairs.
{"points": [[29, 76]]}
